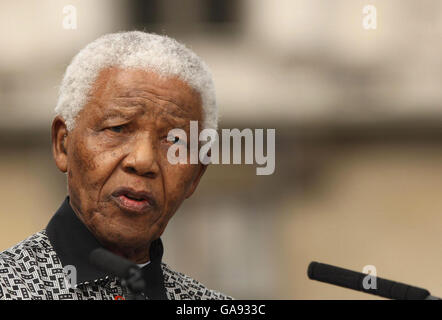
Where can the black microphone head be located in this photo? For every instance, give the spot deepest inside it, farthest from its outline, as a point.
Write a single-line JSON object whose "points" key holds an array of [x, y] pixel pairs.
{"points": [[311, 269], [110, 262]]}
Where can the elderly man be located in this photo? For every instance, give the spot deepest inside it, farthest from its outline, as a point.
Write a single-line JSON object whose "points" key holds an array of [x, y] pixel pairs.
{"points": [[119, 99]]}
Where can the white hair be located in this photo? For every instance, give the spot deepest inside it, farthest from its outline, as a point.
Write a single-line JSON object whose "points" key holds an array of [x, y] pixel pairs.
{"points": [[160, 54]]}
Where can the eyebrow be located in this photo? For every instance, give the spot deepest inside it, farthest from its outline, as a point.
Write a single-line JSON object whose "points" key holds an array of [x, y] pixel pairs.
{"points": [[168, 107], [109, 114], [171, 122], [116, 110], [177, 124]]}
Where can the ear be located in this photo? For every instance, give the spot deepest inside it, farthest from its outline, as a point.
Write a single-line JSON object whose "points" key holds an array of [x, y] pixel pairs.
{"points": [[201, 169], [60, 143]]}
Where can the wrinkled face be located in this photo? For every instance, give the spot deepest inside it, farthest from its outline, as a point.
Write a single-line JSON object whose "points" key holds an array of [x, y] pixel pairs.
{"points": [[121, 184]]}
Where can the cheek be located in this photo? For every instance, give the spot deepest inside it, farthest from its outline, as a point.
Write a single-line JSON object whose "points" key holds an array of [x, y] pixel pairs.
{"points": [[83, 158], [177, 181], [91, 165]]}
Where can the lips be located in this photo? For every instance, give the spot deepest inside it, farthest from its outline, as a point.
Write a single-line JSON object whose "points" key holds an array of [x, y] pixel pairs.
{"points": [[133, 201]]}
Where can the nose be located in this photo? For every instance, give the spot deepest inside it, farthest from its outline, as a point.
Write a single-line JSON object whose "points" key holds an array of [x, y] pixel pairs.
{"points": [[142, 157]]}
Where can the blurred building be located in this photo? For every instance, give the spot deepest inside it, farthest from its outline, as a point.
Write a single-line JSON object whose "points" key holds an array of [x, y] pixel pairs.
{"points": [[358, 122]]}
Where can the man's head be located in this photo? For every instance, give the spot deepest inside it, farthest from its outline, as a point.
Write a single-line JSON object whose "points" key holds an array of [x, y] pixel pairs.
{"points": [[119, 98]]}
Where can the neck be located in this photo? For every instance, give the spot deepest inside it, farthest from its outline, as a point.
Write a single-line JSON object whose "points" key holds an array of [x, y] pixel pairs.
{"points": [[136, 255]]}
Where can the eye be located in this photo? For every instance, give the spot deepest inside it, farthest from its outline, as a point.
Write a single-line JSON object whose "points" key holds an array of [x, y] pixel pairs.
{"points": [[116, 129], [175, 139]]}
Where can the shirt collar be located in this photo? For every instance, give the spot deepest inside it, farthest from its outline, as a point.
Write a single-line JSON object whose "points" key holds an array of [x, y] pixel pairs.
{"points": [[73, 242]]}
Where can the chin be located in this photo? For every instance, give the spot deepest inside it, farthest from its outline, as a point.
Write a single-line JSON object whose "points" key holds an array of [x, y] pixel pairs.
{"points": [[126, 239]]}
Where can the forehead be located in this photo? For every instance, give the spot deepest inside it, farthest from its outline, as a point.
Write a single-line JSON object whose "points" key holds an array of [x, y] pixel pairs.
{"points": [[120, 88]]}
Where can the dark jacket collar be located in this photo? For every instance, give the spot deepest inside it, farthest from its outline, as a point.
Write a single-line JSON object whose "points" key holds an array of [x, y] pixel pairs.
{"points": [[73, 242]]}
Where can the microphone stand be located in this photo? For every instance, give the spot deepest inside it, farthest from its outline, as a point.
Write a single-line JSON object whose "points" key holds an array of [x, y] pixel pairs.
{"points": [[135, 283], [129, 273]]}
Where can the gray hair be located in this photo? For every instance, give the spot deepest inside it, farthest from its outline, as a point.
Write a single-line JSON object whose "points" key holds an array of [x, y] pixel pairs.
{"points": [[160, 54]]}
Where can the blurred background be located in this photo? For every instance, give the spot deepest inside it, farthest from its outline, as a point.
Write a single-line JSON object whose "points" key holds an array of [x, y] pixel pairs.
{"points": [[358, 122]]}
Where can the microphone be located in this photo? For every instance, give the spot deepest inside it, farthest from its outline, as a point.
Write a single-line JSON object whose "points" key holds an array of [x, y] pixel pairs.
{"points": [[128, 271], [354, 280]]}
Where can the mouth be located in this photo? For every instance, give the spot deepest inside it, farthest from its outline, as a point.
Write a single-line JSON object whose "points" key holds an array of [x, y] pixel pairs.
{"points": [[133, 201]]}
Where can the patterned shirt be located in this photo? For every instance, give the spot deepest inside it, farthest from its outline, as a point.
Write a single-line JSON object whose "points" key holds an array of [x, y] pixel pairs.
{"points": [[40, 268]]}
